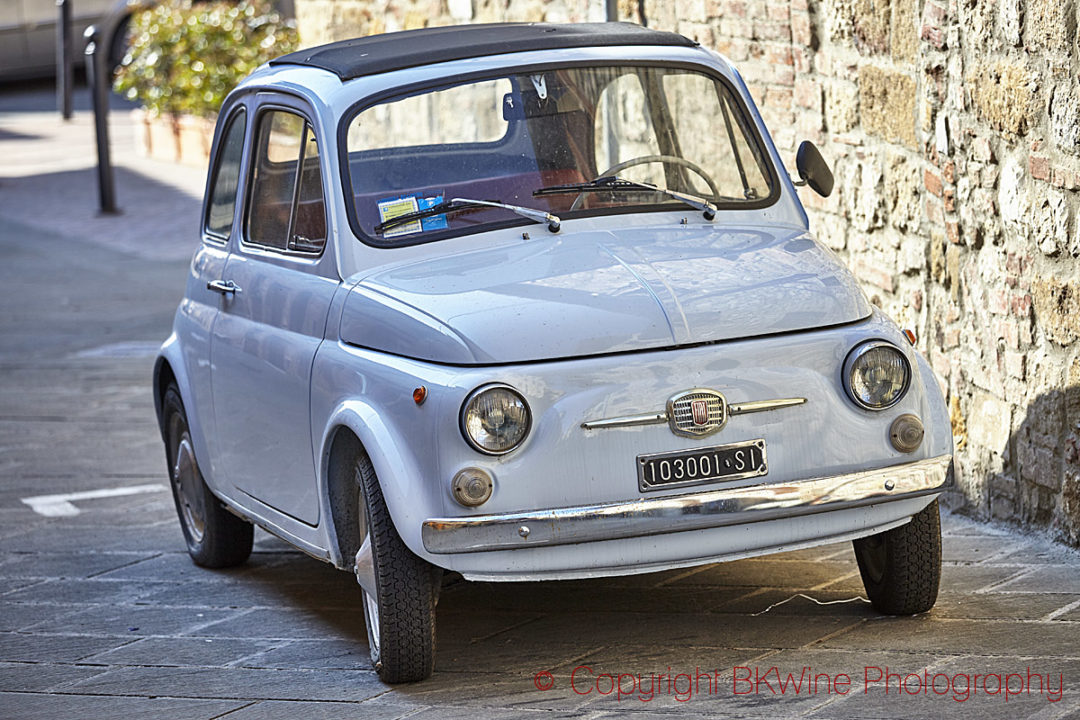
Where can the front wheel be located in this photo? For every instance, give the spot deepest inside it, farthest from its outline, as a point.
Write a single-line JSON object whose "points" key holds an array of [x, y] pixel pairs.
{"points": [[400, 614], [901, 568]]}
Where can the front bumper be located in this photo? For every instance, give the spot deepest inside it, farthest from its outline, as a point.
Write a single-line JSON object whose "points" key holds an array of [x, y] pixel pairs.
{"points": [[680, 513]]}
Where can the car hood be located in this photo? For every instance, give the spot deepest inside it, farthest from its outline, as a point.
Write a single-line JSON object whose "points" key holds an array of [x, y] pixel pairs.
{"points": [[591, 293]]}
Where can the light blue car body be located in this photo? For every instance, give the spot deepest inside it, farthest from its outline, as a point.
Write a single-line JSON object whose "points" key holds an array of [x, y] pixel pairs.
{"points": [[609, 318]]}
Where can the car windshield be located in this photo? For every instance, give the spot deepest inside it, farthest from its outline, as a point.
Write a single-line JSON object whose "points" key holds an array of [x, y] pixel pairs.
{"points": [[565, 142]]}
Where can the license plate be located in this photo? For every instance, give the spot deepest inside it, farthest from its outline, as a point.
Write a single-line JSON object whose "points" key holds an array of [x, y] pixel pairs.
{"points": [[703, 465]]}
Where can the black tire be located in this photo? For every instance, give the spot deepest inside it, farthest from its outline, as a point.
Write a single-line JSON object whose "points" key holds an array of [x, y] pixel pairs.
{"points": [[901, 568], [215, 537], [400, 618]]}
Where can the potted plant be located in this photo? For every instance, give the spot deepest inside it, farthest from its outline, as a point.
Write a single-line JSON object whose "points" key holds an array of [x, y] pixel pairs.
{"points": [[184, 58]]}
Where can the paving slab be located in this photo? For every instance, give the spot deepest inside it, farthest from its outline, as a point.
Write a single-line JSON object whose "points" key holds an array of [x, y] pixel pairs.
{"points": [[485, 692], [1001, 605], [133, 620], [962, 687], [836, 574], [964, 526], [974, 637], [801, 602], [62, 566], [57, 536], [38, 648], [787, 682], [451, 713], [976, 548], [16, 616], [65, 591], [178, 652], [978, 578], [310, 655], [27, 706], [289, 624], [264, 594], [10, 585], [41, 677], [710, 630], [368, 710], [175, 565], [578, 596], [512, 658], [244, 683], [1044, 579]]}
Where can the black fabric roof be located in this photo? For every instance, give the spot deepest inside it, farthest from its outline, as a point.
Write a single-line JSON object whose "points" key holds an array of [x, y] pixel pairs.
{"points": [[350, 59]]}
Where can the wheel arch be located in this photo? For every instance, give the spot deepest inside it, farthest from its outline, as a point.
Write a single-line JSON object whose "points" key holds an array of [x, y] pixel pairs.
{"points": [[356, 427], [342, 494], [169, 368], [163, 377]]}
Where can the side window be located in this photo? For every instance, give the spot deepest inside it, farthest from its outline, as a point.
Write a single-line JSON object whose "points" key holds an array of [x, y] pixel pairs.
{"points": [[286, 209], [219, 220]]}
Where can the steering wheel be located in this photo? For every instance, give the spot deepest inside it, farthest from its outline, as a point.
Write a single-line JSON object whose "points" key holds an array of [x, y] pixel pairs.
{"points": [[646, 159]]}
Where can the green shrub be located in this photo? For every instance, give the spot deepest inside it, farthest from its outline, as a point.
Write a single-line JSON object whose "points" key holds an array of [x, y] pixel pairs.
{"points": [[185, 58]]}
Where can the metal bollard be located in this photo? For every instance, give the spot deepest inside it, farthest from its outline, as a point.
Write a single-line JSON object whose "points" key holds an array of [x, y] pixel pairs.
{"points": [[97, 74], [64, 60]]}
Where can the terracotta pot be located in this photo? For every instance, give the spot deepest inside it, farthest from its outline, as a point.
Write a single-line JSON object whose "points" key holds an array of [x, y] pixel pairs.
{"points": [[183, 139]]}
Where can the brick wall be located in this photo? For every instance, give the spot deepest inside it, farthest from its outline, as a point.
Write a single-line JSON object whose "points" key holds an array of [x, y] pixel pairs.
{"points": [[953, 129], [954, 132]]}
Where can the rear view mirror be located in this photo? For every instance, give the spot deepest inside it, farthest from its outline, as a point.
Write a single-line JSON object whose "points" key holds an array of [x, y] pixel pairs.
{"points": [[813, 169]]}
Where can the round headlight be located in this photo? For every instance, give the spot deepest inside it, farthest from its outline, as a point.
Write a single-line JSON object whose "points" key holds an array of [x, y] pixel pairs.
{"points": [[876, 375], [495, 419]]}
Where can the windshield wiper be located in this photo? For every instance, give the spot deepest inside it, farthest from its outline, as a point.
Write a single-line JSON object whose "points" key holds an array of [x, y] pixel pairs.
{"points": [[459, 204], [614, 183]]}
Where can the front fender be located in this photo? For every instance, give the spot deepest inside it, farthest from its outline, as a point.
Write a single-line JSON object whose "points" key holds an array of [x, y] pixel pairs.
{"points": [[399, 475], [936, 413]]}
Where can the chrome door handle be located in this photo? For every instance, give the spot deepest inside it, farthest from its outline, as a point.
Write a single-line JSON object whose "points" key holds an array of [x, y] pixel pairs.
{"points": [[225, 287]]}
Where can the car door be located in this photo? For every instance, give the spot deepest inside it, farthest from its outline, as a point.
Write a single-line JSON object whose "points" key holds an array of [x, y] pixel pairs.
{"points": [[199, 309], [277, 288]]}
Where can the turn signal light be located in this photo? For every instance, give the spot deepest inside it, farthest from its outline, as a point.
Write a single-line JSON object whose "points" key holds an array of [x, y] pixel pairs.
{"points": [[906, 433], [471, 487]]}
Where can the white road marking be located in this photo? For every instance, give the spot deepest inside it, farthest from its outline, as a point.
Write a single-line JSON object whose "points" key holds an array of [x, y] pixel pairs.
{"points": [[61, 505]]}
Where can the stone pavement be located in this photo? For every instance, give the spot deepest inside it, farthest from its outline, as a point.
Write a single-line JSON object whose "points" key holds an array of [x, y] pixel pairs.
{"points": [[102, 615]]}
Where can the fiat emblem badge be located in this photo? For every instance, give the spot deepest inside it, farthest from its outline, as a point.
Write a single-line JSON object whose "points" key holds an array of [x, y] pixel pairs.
{"points": [[697, 412], [700, 410]]}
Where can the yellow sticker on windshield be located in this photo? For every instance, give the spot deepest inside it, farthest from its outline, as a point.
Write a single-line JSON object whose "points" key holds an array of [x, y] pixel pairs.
{"points": [[395, 207]]}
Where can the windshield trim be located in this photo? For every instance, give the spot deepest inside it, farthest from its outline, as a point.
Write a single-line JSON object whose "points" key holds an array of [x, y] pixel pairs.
{"points": [[408, 89]]}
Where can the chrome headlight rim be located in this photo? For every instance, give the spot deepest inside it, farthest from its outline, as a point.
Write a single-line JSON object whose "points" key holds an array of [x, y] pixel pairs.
{"points": [[465, 408], [857, 352]]}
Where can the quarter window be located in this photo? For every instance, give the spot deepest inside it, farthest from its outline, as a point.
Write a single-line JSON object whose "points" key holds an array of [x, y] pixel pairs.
{"points": [[287, 210], [219, 220]]}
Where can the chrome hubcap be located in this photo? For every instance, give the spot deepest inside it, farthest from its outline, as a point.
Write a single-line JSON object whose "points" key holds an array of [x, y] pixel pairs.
{"points": [[365, 575], [185, 477], [371, 617]]}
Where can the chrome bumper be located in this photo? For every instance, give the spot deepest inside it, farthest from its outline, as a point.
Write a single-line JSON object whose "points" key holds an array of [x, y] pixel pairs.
{"points": [[679, 513]]}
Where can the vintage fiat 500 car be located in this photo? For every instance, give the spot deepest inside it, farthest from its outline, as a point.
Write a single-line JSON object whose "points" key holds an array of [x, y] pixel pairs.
{"points": [[532, 302]]}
